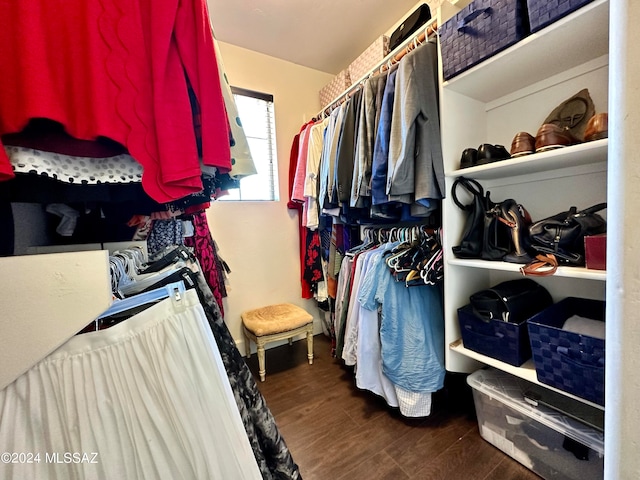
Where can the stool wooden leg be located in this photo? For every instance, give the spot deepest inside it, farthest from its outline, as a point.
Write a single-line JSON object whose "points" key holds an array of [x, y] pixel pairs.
{"points": [[290, 341], [310, 344], [261, 362], [247, 344]]}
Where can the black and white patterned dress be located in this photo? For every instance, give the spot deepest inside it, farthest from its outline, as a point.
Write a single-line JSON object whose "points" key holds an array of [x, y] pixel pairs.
{"points": [[271, 452]]}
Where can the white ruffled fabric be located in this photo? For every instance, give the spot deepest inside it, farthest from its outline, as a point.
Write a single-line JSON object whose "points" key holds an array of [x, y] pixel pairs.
{"points": [[149, 396], [72, 169]]}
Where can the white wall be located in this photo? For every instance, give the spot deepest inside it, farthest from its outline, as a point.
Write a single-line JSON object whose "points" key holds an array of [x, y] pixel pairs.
{"points": [[259, 240]]}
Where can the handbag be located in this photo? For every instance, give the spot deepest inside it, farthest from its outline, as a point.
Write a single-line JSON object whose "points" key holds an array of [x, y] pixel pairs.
{"points": [[409, 26], [559, 240], [562, 235], [485, 234], [511, 301]]}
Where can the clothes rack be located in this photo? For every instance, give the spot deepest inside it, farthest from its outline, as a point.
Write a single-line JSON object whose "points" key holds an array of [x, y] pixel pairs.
{"points": [[427, 33], [390, 333], [398, 233]]}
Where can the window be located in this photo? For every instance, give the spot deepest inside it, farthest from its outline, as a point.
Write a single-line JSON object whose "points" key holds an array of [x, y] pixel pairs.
{"points": [[256, 114]]}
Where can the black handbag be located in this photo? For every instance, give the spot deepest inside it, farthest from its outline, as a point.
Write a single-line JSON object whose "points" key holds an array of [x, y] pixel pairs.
{"points": [[511, 301], [497, 240], [485, 235], [562, 235], [410, 25]]}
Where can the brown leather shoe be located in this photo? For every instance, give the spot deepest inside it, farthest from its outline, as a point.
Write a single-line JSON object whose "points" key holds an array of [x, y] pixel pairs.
{"points": [[551, 136], [523, 144], [597, 128]]}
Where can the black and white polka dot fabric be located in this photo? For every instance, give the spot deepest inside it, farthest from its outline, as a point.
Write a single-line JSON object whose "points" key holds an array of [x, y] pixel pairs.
{"points": [[71, 169]]}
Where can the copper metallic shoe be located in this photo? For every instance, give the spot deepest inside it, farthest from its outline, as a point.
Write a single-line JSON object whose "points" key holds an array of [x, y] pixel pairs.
{"points": [[523, 144], [597, 128], [518, 219], [551, 136]]}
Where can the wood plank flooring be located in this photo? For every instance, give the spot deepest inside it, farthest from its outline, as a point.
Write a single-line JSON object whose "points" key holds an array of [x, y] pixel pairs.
{"points": [[335, 431]]}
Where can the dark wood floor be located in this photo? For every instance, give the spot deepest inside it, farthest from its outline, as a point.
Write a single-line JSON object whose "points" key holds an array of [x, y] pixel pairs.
{"points": [[335, 431]]}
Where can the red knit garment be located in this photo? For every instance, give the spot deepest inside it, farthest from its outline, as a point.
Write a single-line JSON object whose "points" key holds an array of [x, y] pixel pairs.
{"points": [[116, 68]]}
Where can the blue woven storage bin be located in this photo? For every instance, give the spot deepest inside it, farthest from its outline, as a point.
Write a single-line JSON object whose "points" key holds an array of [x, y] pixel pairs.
{"points": [[566, 360], [504, 341], [545, 12], [480, 30]]}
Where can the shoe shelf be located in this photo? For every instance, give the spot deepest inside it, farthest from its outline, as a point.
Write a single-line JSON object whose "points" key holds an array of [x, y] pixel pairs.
{"points": [[571, 41], [526, 371], [510, 92], [590, 153]]}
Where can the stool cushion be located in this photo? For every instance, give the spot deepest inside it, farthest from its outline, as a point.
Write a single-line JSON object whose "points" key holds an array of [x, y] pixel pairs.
{"points": [[275, 319]]}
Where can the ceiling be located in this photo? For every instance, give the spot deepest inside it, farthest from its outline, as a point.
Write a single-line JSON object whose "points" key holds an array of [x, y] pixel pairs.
{"points": [[325, 35]]}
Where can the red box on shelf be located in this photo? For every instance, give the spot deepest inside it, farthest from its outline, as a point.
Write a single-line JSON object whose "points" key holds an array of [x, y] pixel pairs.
{"points": [[595, 248]]}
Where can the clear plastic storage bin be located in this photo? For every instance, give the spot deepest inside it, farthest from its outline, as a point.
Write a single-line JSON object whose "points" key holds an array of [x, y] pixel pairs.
{"points": [[553, 444]]}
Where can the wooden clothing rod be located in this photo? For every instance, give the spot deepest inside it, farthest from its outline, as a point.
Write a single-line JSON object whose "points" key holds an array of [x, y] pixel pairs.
{"points": [[428, 32]]}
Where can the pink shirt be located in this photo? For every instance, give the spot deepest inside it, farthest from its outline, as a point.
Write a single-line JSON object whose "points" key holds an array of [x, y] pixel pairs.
{"points": [[301, 168]]}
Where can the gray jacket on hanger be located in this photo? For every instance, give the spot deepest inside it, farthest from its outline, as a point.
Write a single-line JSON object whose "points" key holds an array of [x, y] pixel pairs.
{"points": [[415, 151]]}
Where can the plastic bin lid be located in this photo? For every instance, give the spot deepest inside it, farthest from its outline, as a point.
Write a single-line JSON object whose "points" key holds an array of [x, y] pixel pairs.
{"points": [[510, 390]]}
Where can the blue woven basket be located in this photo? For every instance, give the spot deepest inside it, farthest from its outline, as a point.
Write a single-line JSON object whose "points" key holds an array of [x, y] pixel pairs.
{"points": [[545, 12], [565, 360], [504, 341], [480, 30]]}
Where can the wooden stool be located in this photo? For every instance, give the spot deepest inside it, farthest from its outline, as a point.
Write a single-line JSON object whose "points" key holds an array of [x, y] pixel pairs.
{"points": [[276, 322]]}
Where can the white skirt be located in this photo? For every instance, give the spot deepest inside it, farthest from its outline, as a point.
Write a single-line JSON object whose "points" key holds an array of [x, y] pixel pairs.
{"points": [[146, 399]]}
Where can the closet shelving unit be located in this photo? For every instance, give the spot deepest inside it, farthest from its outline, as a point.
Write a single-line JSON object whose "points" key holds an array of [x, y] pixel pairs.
{"points": [[510, 92]]}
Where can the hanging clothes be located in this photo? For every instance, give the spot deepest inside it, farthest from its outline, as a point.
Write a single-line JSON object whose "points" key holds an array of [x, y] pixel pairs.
{"points": [[381, 158], [313, 266], [74, 169], [415, 169], [297, 193], [326, 196], [381, 147], [269, 448], [242, 163], [311, 185], [206, 251], [132, 274], [368, 354], [159, 406], [389, 322], [164, 233], [342, 302], [133, 90], [293, 205], [345, 155], [366, 135], [411, 336]]}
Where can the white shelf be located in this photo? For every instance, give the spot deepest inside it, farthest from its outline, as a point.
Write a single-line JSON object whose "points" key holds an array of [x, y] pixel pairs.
{"points": [[527, 371], [46, 300], [513, 91], [588, 153], [568, 272], [571, 41]]}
